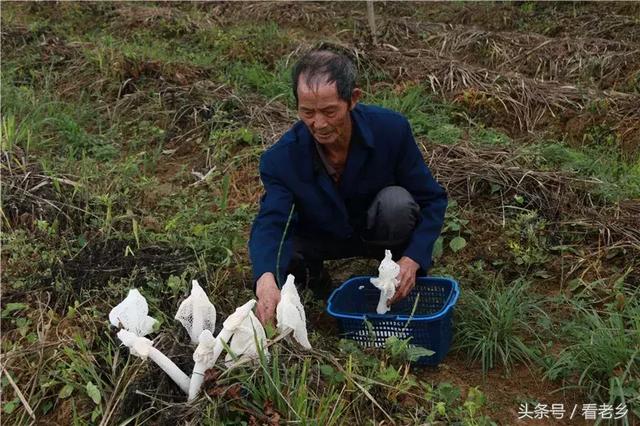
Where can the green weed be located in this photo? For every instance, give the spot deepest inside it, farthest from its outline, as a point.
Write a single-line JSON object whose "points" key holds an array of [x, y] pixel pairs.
{"points": [[620, 177], [527, 240], [256, 77], [107, 101], [495, 323], [428, 117], [603, 355], [484, 136]]}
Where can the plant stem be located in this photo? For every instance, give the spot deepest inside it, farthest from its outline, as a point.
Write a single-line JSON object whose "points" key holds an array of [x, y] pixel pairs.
{"points": [[284, 236]]}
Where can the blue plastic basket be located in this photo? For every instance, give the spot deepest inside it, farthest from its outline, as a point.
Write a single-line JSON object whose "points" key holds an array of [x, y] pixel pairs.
{"points": [[430, 326]]}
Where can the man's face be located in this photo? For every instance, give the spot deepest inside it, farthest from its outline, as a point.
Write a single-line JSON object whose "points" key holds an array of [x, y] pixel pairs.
{"points": [[325, 114]]}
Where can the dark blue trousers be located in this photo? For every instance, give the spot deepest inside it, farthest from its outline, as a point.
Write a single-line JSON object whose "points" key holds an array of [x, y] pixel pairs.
{"points": [[391, 219]]}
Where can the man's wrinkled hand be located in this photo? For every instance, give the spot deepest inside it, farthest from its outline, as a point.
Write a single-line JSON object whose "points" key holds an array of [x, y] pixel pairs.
{"points": [[407, 278], [268, 298]]}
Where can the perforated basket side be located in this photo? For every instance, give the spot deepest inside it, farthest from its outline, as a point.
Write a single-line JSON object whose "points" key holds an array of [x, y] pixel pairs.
{"points": [[357, 297], [430, 326]]}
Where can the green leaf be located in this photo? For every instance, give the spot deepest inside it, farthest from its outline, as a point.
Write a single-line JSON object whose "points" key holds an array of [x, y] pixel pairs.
{"points": [[270, 331], [370, 330], [96, 413], [46, 407], [453, 226], [327, 370], [457, 244], [93, 392], [437, 248], [175, 282], [10, 406], [66, 391], [389, 375], [448, 392], [11, 307], [246, 135], [23, 325], [198, 230], [476, 396], [416, 352]]}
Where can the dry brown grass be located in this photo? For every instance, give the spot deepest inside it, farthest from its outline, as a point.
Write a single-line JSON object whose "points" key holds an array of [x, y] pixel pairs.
{"points": [[29, 194], [592, 61], [515, 101], [470, 173]]}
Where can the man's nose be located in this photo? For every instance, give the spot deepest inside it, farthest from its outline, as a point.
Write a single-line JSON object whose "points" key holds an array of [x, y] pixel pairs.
{"points": [[319, 122]]}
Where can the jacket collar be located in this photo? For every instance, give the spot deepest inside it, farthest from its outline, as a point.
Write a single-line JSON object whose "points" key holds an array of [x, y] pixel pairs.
{"points": [[361, 122], [309, 165]]}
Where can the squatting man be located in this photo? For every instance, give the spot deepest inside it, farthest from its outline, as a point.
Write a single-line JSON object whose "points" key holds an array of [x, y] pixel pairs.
{"points": [[347, 180]]}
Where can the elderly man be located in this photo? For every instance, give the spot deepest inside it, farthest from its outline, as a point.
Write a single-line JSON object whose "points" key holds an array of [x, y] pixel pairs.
{"points": [[347, 180]]}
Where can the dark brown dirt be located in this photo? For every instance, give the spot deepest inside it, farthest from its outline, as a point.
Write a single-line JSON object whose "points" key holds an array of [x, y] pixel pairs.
{"points": [[102, 261], [504, 394]]}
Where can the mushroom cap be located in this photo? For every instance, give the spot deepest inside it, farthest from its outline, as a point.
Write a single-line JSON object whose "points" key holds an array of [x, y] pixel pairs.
{"points": [[234, 320], [196, 313], [246, 339], [388, 269], [290, 313], [132, 314], [386, 281]]}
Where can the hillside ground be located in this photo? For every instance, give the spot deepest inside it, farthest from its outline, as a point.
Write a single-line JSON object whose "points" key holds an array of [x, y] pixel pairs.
{"points": [[131, 134]]}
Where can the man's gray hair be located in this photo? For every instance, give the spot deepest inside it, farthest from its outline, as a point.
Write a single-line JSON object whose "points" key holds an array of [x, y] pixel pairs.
{"points": [[323, 65]]}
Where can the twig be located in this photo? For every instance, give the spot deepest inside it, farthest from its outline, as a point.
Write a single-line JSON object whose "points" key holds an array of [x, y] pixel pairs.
{"points": [[371, 17], [25, 403], [202, 178], [362, 389]]}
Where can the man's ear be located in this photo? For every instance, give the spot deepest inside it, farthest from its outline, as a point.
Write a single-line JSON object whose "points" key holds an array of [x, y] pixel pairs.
{"points": [[355, 97]]}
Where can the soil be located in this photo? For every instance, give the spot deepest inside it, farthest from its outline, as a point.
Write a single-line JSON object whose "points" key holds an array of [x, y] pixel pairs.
{"points": [[412, 30], [505, 394], [100, 262]]}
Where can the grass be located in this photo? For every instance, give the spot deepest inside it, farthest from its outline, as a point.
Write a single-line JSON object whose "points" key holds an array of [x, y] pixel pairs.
{"points": [[620, 176], [428, 117], [494, 322], [603, 354], [128, 107]]}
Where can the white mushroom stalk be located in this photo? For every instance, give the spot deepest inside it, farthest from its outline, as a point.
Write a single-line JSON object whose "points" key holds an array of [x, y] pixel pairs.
{"points": [[290, 313], [143, 348], [247, 341], [209, 349], [132, 314], [196, 313], [386, 281]]}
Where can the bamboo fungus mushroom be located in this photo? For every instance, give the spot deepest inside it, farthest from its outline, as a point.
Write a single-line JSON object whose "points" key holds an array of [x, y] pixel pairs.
{"points": [[245, 341], [132, 314], [290, 313], [143, 348], [386, 281], [209, 349], [196, 313]]}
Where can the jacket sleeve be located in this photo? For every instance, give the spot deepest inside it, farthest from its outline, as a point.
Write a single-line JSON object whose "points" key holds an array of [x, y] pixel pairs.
{"points": [[269, 226], [413, 174]]}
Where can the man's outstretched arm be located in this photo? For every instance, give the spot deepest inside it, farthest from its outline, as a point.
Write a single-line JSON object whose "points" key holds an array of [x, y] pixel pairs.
{"points": [[413, 174], [266, 234]]}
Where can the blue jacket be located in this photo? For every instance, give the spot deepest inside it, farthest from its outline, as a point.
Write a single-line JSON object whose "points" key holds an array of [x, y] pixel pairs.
{"points": [[383, 152]]}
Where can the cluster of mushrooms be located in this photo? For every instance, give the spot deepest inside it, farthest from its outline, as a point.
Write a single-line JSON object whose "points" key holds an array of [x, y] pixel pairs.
{"points": [[242, 333]]}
